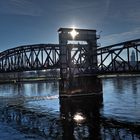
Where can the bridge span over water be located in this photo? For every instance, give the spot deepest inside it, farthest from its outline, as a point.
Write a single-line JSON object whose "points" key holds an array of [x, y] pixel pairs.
{"points": [[74, 58]]}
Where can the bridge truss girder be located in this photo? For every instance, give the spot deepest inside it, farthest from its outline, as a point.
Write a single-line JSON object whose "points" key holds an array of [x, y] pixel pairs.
{"points": [[111, 59], [31, 57], [117, 58], [79, 60]]}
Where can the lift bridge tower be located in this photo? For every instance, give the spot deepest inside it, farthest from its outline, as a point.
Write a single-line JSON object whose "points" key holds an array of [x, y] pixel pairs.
{"points": [[77, 52], [78, 61]]}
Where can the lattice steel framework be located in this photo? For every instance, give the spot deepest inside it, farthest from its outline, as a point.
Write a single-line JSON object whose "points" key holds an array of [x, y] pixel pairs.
{"points": [[119, 58], [111, 59], [79, 60], [30, 57]]}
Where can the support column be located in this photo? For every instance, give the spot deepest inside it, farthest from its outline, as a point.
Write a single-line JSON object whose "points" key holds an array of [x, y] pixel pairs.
{"points": [[63, 57]]}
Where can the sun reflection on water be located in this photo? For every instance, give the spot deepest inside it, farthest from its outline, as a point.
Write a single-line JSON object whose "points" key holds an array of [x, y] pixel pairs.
{"points": [[79, 117]]}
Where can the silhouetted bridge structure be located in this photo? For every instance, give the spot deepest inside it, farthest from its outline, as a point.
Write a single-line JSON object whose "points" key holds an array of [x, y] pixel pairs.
{"points": [[74, 58]]}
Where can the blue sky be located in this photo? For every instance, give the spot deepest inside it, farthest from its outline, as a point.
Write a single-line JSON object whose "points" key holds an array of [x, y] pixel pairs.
{"points": [[37, 21]]}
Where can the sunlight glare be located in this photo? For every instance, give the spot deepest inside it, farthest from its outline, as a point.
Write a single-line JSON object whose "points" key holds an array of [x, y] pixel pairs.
{"points": [[79, 118], [74, 33]]}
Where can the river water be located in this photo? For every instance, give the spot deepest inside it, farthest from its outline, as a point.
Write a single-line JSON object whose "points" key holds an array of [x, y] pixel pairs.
{"points": [[34, 111]]}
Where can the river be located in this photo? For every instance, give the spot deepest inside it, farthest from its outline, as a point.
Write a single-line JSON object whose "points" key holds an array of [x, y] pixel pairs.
{"points": [[34, 111]]}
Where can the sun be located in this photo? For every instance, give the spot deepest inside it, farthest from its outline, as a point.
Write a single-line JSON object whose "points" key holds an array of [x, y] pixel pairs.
{"points": [[74, 33]]}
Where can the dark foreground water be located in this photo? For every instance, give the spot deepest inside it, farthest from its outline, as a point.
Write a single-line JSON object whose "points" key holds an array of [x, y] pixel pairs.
{"points": [[34, 111]]}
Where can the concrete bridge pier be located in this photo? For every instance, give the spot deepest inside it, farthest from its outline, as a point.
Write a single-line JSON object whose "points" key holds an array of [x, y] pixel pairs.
{"points": [[78, 86]]}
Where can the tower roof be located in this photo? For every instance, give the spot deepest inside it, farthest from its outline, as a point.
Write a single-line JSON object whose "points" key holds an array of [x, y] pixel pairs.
{"points": [[69, 29]]}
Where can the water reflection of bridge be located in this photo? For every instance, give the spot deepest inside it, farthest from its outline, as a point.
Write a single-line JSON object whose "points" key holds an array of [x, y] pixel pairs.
{"points": [[80, 119]]}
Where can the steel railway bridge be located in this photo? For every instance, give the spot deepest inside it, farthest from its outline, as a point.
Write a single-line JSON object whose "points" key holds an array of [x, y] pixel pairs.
{"points": [[74, 58]]}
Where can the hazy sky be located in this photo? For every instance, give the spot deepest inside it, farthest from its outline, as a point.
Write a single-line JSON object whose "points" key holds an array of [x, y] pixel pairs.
{"points": [[37, 21]]}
